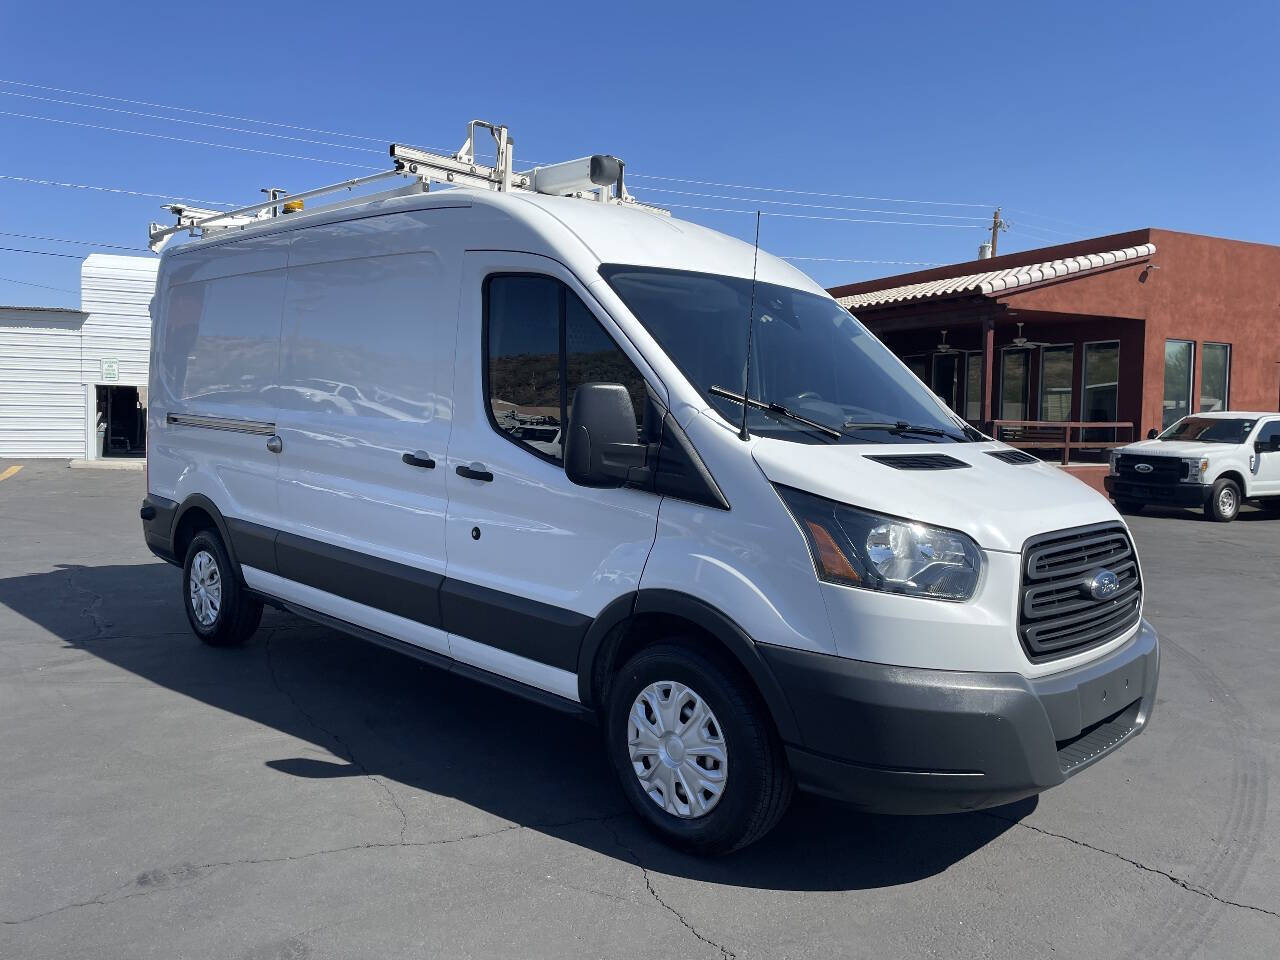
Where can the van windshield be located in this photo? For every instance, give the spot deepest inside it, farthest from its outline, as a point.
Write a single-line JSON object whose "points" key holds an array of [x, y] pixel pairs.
{"points": [[808, 355]]}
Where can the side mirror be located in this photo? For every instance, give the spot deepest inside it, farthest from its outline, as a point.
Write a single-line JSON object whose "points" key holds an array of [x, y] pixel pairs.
{"points": [[1152, 433], [600, 448]]}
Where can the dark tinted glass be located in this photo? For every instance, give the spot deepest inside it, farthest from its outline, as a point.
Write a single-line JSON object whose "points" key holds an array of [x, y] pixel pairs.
{"points": [[523, 331], [531, 383]]}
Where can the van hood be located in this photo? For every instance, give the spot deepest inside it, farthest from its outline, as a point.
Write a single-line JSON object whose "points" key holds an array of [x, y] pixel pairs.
{"points": [[1176, 448], [1000, 505]]}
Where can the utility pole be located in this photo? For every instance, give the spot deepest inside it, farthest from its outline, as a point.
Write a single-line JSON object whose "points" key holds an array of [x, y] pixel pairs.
{"points": [[997, 224]]}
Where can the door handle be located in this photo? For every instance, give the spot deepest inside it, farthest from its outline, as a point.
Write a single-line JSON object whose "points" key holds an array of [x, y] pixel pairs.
{"points": [[475, 471], [419, 458], [275, 444]]}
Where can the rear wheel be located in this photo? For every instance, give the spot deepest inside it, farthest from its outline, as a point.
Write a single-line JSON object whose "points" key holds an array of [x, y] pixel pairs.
{"points": [[220, 611], [1224, 501], [695, 750]]}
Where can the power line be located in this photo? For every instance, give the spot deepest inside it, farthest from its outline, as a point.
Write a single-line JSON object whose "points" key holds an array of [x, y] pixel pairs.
{"points": [[132, 193], [806, 216], [814, 206], [43, 286], [83, 243], [198, 123], [42, 253], [805, 193], [207, 113], [201, 143]]}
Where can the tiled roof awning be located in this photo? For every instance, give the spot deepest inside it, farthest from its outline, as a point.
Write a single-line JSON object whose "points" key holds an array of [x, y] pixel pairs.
{"points": [[996, 281]]}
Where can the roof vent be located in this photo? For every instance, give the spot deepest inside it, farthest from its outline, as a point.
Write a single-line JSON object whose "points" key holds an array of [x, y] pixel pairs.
{"points": [[918, 461], [1013, 456]]}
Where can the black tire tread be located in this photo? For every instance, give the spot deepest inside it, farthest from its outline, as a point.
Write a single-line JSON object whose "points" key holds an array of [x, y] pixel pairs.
{"points": [[772, 800], [241, 612]]}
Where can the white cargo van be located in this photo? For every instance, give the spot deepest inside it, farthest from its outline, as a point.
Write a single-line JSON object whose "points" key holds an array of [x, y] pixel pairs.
{"points": [[502, 431]]}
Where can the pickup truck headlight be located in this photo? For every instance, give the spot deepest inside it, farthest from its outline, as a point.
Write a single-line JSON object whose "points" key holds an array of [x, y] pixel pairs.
{"points": [[1115, 462], [857, 548], [1197, 467]]}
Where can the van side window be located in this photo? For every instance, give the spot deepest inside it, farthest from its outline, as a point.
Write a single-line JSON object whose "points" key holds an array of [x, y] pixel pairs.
{"points": [[541, 343]]}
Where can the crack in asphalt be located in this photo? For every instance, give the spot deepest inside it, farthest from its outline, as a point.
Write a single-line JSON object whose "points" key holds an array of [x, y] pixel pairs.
{"points": [[154, 881], [346, 748], [1173, 878], [725, 952], [92, 610]]}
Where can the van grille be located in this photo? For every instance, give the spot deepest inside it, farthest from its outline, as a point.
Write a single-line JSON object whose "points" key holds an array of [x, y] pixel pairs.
{"points": [[1058, 615], [1163, 469]]}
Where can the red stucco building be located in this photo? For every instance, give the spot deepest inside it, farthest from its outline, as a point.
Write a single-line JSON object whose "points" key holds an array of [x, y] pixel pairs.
{"points": [[1121, 333]]}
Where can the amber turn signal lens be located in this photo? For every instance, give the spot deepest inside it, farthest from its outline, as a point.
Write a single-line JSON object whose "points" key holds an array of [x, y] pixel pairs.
{"points": [[834, 563]]}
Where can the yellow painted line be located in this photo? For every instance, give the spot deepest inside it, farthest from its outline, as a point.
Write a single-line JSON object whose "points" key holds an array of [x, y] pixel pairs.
{"points": [[10, 471]]}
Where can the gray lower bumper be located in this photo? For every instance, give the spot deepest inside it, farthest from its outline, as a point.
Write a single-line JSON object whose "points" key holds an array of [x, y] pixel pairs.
{"points": [[906, 740]]}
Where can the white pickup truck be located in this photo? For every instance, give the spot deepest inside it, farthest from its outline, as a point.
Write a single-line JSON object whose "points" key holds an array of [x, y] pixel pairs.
{"points": [[1211, 460]]}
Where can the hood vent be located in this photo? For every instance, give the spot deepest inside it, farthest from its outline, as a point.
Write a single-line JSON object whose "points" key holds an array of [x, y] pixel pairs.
{"points": [[1013, 456], [918, 461]]}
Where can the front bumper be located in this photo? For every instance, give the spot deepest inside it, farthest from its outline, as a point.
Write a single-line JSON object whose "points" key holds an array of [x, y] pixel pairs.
{"points": [[1173, 494], [908, 740]]}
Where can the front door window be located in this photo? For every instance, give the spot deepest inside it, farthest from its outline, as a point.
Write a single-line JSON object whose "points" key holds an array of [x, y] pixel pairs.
{"points": [[1055, 382], [946, 378], [1013, 385]]}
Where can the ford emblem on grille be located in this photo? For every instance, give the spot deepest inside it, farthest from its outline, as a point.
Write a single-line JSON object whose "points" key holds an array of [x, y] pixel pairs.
{"points": [[1142, 468], [1102, 584]]}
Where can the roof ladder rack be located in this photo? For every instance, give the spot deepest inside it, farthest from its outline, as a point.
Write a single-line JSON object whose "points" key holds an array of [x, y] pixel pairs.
{"points": [[589, 177]]}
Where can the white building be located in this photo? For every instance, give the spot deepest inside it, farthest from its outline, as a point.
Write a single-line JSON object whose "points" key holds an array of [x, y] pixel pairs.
{"points": [[73, 383]]}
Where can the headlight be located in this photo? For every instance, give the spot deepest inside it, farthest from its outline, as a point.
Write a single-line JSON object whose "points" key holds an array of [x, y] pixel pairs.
{"points": [[1115, 462], [1197, 467], [857, 548]]}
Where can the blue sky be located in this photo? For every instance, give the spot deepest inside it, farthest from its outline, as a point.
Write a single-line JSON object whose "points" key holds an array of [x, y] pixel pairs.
{"points": [[1078, 120]]}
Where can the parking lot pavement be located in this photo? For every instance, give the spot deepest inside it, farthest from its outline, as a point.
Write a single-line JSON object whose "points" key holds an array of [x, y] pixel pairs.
{"points": [[314, 796]]}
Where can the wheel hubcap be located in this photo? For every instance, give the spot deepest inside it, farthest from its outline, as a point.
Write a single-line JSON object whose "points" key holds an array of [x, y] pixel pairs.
{"points": [[1227, 500], [204, 586], [677, 749]]}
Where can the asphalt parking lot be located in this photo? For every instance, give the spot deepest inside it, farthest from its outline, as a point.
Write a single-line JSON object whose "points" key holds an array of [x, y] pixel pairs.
{"points": [[314, 796]]}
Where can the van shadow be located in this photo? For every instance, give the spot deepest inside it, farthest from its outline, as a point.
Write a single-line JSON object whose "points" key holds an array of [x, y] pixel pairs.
{"points": [[382, 714]]}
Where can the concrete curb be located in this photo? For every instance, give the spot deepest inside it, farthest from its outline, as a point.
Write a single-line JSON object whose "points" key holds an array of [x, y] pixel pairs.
{"points": [[109, 464]]}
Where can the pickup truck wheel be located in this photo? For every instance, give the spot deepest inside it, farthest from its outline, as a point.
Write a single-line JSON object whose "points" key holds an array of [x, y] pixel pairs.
{"points": [[695, 750], [219, 610], [1224, 502]]}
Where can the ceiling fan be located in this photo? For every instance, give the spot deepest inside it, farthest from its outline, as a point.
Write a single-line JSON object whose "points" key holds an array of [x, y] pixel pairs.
{"points": [[943, 346], [1021, 341]]}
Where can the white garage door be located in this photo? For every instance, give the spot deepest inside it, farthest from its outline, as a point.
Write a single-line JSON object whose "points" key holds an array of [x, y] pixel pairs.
{"points": [[42, 402]]}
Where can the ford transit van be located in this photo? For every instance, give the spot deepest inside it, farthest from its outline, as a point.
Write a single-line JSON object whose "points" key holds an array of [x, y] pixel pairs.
{"points": [[504, 432]]}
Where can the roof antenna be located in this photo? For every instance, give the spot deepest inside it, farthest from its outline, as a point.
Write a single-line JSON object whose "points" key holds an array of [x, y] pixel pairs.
{"points": [[751, 315]]}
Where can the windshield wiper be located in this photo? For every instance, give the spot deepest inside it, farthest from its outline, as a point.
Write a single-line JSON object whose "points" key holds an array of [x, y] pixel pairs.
{"points": [[899, 427], [776, 408]]}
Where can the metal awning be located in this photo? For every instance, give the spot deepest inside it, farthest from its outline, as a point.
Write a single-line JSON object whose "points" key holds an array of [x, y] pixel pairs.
{"points": [[996, 281]]}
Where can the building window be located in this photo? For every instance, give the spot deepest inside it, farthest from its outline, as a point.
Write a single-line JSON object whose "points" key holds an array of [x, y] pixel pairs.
{"points": [[1101, 393], [1179, 365], [1013, 384], [1055, 382], [973, 387], [541, 343], [1215, 377]]}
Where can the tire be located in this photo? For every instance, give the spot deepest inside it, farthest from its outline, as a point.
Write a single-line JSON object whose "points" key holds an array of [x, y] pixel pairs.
{"points": [[220, 611], [756, 784], [1224, 502], [1130, 506]]}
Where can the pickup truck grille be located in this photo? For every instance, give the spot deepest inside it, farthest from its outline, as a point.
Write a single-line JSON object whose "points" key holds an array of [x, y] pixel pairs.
{"points": [[1163, 469], [1057, 614]]}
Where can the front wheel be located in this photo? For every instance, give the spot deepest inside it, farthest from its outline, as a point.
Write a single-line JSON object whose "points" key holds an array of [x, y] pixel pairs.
{"points": [[695, 750], [220, 611], [1224, 501]]}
